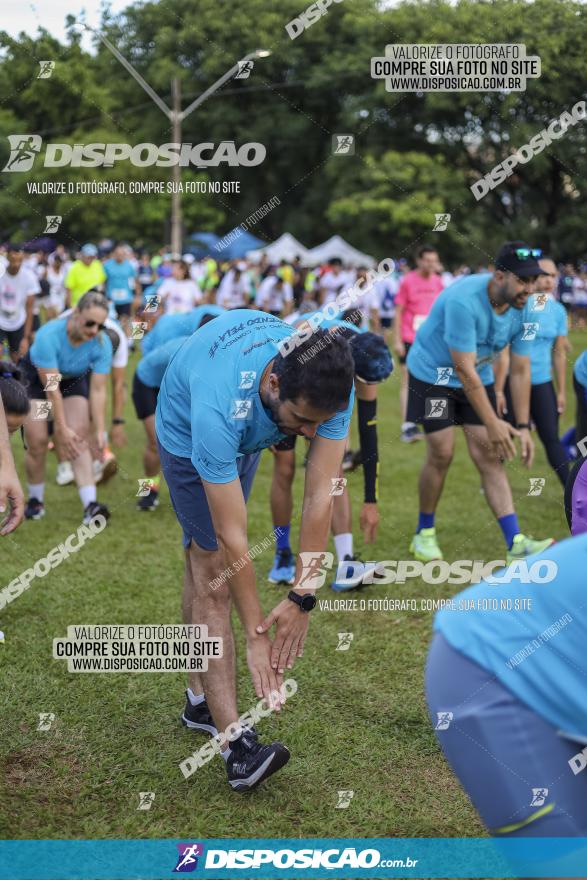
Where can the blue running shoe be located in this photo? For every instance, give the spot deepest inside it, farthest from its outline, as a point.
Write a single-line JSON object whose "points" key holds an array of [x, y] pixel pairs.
{"points": [[284, 568], [354, 572]]}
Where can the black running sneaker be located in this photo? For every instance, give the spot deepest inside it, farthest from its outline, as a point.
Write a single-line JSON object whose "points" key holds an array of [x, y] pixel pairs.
{"points": [[149, 502], [347, 460], [94, 509], [198, 717], [250, 762], [34, 509]]}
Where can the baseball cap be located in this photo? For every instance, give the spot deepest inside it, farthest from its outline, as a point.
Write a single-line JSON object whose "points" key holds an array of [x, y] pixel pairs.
{"points": [[519, 258], [89, 250]]}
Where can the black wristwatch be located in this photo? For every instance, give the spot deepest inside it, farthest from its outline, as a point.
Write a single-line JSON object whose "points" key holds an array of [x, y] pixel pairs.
{"points": [[305, 602], [521, 425], [118, 422]]}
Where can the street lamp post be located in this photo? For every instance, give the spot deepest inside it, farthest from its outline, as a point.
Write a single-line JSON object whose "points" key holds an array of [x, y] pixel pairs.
{"points": [[176, 117]]}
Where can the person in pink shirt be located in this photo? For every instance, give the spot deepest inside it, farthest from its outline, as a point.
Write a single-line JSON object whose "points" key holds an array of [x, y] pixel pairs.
{"points": [[417, 291]]}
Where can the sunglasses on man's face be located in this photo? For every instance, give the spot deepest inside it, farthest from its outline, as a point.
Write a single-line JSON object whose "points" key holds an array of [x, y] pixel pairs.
{"points": [[526, 253], [90, 324]]}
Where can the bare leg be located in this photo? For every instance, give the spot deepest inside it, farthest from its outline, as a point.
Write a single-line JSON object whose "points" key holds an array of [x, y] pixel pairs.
{"points": [[439, 453], [342, 517], [284, 468], [403, 392], [151, 461], [493, 476], [77, 417], [212, 608], [36, 436]]}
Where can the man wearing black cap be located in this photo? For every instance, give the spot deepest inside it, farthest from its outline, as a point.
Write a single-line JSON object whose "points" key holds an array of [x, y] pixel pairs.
{"points": [[451, 383]]}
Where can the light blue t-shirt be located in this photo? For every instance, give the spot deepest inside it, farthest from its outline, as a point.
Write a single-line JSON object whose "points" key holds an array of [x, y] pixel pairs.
{"points": [[118, 276], [580, 368], [171, 326], [52, 349], [150, 369], [552, 322], [545, 669], [462, 319], [209, 408], [329, 323]]}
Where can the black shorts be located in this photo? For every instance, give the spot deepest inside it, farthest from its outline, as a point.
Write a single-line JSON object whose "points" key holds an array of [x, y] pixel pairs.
{"points": [[70, 386], [407, 346], [122, 309], [439, 406], [144, 398], [13, 337]]}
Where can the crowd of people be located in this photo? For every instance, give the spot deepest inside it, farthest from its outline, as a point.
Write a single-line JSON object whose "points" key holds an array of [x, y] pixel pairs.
{"points": [[233, 358]]}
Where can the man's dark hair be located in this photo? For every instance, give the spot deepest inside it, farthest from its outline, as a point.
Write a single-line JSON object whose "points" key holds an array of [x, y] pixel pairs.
{"points": [[206, 318], [353, 316], [320, 371], [425, 249], [13, 390]]}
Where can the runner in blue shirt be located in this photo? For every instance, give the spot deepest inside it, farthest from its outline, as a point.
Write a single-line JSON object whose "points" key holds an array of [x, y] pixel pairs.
{"points": [[120, 284], [231, 390], [506, 685], [67, 368], [145, 390], [171, 326], [451, 383], [549, 345]]}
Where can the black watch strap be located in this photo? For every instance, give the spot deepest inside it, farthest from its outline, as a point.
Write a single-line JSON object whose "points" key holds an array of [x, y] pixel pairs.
{"points": [[521, 425], [305, 602]]}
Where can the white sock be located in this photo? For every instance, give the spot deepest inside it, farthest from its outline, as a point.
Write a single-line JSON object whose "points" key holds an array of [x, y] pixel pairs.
{"points": [[343, 545], [407, 425], [37, 490], [194, 699], [87, 494]]}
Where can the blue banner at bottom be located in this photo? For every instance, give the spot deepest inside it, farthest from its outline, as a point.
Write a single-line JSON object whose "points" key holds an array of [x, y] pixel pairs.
{"points": [[292, 858]]}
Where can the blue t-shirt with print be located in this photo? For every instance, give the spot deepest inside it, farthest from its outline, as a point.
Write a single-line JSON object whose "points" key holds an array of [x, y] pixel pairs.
{"points": [[552, 322], [52, 349], [209, 407], [171, 326], [118, 281], [462, 319]]}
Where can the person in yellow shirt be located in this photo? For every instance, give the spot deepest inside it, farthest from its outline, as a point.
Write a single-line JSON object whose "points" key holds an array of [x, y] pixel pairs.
{"points": [[84, 274]]}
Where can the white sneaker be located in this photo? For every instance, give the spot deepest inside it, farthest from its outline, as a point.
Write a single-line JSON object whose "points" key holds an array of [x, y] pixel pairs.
{"points": [[64, 473]]}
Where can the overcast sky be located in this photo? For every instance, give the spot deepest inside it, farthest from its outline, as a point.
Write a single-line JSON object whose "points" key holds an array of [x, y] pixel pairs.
{"points": [[51, 14]]}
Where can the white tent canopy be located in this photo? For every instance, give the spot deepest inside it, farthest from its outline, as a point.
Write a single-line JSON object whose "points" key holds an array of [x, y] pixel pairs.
{"points": [[286, 247], [338, 247]]}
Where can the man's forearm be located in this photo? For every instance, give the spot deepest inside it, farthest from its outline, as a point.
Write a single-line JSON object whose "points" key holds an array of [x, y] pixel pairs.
{"points": [[314, 531], [239, 574], [560, 371], [98, 409], [118, 395], [520, 390]]}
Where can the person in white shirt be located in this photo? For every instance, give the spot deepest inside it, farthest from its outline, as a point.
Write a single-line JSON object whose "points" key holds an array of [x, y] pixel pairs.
{"points": [[386, 291], [233, 292], [333, 282], [275, 296], [56, 272], [179, 293], [18, 288]]}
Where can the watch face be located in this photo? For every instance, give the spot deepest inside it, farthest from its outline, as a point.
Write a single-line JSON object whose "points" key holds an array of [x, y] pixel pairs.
{"points": [[308, 602]]}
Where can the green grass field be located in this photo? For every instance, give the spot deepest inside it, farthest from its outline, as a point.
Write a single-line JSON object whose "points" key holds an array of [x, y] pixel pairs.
{"points": [[357, 722]]}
